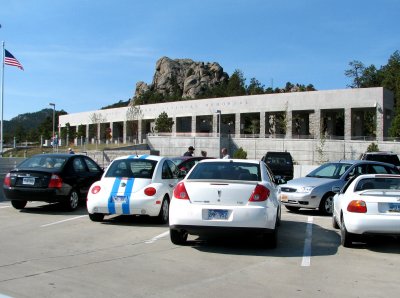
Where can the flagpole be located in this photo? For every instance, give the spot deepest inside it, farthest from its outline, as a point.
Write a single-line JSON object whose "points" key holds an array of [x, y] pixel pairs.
{"points": [[2, 100]]}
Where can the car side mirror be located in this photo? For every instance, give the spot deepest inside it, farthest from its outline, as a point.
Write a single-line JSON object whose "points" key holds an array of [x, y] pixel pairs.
{"points": [[279, 180], [336, 189]]}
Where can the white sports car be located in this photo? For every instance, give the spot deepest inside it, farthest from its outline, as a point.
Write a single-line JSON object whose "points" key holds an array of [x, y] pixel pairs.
{"points": [[367, 205], [226, 195], [137, 185]]}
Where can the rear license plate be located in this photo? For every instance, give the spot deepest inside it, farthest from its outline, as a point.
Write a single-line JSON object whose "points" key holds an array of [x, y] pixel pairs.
{"points": [[28, 181], [394, 207], [284, 198], [119, 198], [217, 214]]}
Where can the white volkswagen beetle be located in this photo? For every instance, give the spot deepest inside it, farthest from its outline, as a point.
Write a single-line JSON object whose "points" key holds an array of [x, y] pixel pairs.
{"points": [[367, 205], [134, 185], [226, 195]]}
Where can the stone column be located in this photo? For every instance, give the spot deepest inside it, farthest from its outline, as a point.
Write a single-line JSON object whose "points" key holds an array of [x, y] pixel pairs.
{"points": [[347, 124], [262, 124], [289, 116], [215, 124], [315, 123], [174, 126], [379, 123], [194, 125], [140, 139], [237, 125], [124, 127]]}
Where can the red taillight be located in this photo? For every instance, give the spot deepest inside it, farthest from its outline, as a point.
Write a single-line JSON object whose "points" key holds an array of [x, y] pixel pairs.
{"points": [[260, 193], [150, 191], [96, 189], [180, 192], [7, 180], [55, 181], [358, 206]]}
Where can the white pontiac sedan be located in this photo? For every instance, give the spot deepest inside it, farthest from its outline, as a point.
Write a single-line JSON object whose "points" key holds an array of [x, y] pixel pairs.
{"points": [[367, 205], [226, 195], [134, 185]]}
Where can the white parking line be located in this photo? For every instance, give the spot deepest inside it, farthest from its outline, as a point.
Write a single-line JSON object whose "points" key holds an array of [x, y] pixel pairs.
{"points": [[61, 221], [1, 207], [307, 244], [157, 237]]}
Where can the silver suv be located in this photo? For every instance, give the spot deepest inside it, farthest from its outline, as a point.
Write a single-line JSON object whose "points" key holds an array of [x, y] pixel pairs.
{"points": [[315, 190]]}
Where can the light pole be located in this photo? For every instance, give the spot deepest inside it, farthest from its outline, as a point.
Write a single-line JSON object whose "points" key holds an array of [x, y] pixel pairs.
{"points": [[54, 115], [219, 130]]}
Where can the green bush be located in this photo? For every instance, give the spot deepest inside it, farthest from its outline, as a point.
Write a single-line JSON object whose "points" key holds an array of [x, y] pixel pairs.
{"points": [[372, 147], [240, 154]]}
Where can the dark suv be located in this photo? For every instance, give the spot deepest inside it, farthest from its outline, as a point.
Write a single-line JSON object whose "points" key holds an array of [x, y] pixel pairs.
{"points": [[382, 156], [280, 163]]}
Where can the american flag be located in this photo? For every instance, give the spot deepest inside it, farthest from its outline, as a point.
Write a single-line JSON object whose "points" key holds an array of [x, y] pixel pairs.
{"points": [[9, 59]]}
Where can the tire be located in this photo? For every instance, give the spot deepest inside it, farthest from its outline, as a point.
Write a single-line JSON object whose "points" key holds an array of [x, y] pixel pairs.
{"points": [[346, 238], [334, 222], [98, 217], [163, 216], [18, 204], [326, 204], [270, 240], [73, 201], [291, 208], [178, 237]]}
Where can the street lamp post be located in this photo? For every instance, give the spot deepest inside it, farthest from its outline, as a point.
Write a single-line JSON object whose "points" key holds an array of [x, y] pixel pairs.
{"points": [[219, 130], [54, 115]]}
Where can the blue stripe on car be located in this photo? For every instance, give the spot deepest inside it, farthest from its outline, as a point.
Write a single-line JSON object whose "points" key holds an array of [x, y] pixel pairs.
{"points": [[127, 194], [114, 190]]}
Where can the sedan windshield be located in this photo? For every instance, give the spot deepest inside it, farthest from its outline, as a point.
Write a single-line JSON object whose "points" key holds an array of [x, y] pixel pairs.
{"points": [[132, 168], [330, 170], [226, 171], [43, 162]]}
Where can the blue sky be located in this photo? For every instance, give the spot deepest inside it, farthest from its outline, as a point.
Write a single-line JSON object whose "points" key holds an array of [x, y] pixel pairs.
{"points": [[85, 54]]}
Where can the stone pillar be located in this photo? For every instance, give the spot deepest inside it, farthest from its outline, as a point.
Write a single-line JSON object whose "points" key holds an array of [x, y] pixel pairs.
{"points": [[194, 125], [347, 124], [98, 132], [87, 133], [262, 124], [124, 127], [315, 123], [237, 125], [215, 124], [379, 123], [174, 127], [76, 133], [289, 116], [140, 139]]}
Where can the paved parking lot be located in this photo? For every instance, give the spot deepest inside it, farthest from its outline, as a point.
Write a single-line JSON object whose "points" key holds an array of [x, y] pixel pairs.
{"points": [[46, 252]]}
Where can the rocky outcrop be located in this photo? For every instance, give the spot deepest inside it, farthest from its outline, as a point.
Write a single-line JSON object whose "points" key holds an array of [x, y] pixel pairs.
{"points": [[184, 76]]}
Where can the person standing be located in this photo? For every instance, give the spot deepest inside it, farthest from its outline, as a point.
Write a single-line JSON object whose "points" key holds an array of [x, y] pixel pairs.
{"points": [[225, 154], [189, 152]]}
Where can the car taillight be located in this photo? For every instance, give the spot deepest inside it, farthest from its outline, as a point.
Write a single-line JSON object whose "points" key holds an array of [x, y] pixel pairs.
{"points": [[260, 193], [55, 181], [7, 180], [150, 191], [358, 206], [180, 192], [96, 189]]}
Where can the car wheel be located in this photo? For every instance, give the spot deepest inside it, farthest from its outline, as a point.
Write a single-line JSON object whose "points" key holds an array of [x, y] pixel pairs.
{"points": [[96, 217], [326, 205], [163, 216], [346, 238], [334, 222], [293, 209], [18, 204], [73, 201], [178, 237], [270, 240]]}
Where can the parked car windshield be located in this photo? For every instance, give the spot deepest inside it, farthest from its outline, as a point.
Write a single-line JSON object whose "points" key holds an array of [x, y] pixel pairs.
{"points": [[226, 171], [132, 168], [330, 170], [378, 183], [43, 162]]}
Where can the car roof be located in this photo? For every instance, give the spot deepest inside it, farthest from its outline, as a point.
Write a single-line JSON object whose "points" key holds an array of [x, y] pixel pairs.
{"points": [[143, 156], [380, 153], [230, 160]]}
